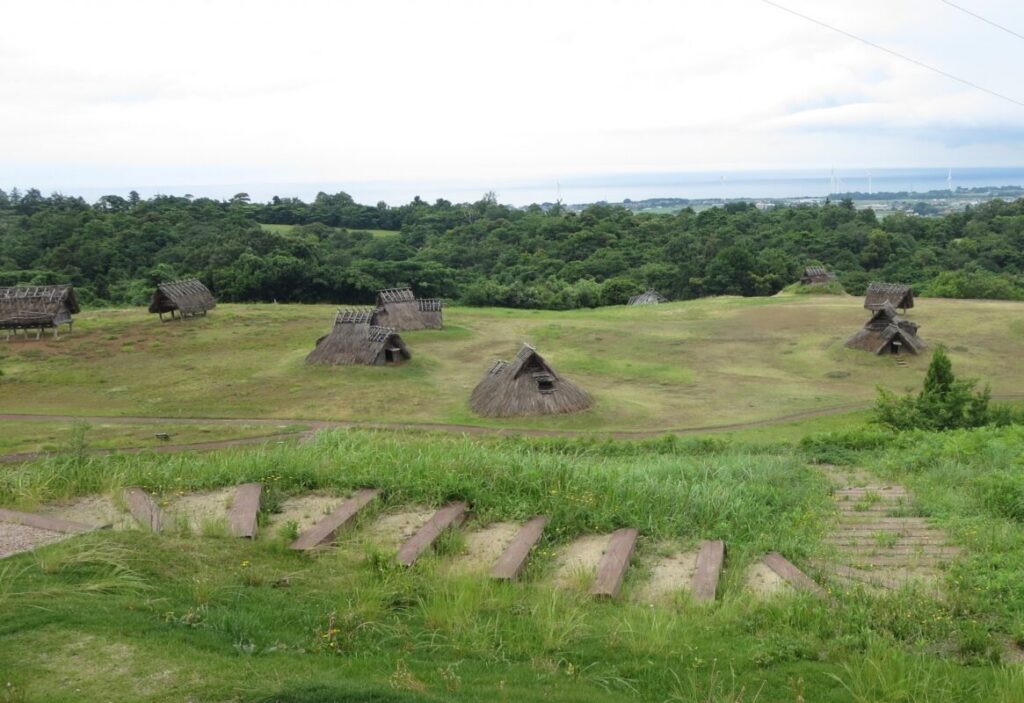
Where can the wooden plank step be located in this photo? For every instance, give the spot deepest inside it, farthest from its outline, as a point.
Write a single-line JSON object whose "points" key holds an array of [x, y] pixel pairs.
{"points": [[881, 493], [904, 531], [885, 579], [513, 559], [451, 515], [927, 550], [142, 507], [710, 558], [883, 523], [612, 568], [339, 519], [792, 575], [244, 509], [910, 561], [44, 522], [870, 541]]}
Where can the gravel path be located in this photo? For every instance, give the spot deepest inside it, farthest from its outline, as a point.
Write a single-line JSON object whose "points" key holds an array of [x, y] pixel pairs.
{"points": [[20, 538]]}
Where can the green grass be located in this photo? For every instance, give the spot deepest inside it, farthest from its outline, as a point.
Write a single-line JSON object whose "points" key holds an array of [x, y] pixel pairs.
{"points": [[682, 365], [129, 616], [32, 436]]}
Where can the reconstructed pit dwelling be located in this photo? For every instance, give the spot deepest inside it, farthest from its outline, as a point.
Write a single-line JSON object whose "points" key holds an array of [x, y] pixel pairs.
{"points": [[37, 308], [526, 386], [886, 332], [354, 339], [187, 298]]}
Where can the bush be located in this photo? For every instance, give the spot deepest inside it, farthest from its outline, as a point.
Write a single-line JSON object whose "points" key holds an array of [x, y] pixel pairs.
{"points": [[944, 403]]}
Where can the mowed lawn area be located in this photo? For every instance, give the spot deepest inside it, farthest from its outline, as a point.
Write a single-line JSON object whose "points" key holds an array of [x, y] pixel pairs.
{"points": [[682, 365]]}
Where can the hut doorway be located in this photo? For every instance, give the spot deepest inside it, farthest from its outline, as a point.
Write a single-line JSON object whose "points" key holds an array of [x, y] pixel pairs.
{"points": [[393, 355]]}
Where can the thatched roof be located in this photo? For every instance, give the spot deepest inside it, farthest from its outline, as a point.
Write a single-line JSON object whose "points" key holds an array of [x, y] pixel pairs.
{"points": [[394, 295], [649, 297], [887, 332], [817, 274], [526, 386], [37, 306], [356, 315], [896, 294], [351, 342], [189, 297], [399, 308]]}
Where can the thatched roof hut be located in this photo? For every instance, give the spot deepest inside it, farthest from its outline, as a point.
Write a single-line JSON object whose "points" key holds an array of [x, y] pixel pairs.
{"points": [[887, 333], [896, 294], [353, 340], [37, 307], [399, 308], [649, 297], [526, 386], [815, 275], [188, 298]]}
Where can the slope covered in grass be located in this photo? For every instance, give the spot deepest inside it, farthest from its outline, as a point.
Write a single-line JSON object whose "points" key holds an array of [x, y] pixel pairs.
{"points": [[705, 362]]}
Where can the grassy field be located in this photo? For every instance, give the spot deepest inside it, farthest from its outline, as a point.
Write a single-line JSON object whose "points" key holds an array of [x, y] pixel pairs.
{"points": [[377, 233], [19, 437], [131, 616], [682, 365]]}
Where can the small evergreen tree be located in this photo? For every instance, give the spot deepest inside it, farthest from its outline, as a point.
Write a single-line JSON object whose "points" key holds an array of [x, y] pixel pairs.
{"points": [[944, 403]]}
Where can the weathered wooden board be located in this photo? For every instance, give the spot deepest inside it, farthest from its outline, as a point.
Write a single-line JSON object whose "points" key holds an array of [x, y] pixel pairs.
{"points": [[244, 509], [709, 567], [796, 578], [513, 559], [450, 515], [342, 516], [612, 569], [144, 509], [44, 522]]}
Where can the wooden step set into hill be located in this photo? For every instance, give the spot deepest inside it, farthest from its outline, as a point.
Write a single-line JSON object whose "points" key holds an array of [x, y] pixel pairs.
{"points": [[864, 552]]}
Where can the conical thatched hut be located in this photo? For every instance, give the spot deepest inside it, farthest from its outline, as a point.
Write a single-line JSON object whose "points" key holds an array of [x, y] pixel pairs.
{"points": [[188, 298], [896, 294], [887, 333], [399, 308], [817, 275], [526, 386], [649, 297], [354, 340], [38, 308]]}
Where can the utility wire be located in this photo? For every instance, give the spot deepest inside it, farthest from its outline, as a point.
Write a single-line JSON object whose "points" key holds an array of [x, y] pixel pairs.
{"points": [[896, 54], [983, 19]]}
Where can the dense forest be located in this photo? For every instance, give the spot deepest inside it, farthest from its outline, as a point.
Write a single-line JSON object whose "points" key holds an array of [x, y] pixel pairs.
{"points": [[485, 253]]}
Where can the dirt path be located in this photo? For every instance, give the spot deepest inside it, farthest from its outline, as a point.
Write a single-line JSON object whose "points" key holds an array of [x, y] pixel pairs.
{"points": [[879, 542], [316, 425]]}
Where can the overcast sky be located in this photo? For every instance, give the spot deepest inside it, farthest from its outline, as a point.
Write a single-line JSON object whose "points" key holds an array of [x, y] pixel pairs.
{"points": [[143, 93]]}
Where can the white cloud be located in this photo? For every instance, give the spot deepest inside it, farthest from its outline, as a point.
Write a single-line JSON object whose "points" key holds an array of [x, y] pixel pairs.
{"points": [[130, 93]]}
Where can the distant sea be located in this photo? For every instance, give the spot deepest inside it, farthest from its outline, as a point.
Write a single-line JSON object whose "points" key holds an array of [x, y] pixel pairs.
{"points": [[610, 188]]}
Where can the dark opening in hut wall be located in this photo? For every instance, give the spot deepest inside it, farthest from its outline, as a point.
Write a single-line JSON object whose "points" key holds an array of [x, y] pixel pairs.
{"points": [[355, 340], [527, 385], [28, 308], [186, 298], [399, 308]]}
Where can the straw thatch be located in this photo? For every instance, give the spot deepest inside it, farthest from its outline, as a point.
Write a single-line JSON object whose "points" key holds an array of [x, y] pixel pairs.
{"points": [[896, 294], [887, 333], [188, 298], [37, 307], [399, 308], [353, 340], [815, 275], [649, 297], [526, 386]]}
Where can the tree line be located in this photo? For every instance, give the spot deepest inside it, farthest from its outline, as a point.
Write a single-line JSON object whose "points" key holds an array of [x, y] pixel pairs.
{"points": [[484, 253]]}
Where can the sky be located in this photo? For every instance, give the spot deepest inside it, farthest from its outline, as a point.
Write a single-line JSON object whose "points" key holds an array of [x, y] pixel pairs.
{"points": [[179, 95]]}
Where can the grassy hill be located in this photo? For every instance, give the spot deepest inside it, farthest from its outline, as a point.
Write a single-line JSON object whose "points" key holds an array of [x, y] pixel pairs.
{"points": [[682, 365]]}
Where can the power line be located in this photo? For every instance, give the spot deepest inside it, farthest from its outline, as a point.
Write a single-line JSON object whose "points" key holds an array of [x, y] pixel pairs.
{"points": [[896, 54], [983, 19]]}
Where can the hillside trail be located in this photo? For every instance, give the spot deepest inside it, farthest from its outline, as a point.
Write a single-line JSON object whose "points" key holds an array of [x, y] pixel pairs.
{"points": [[879, 541], [316, 425]]}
